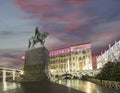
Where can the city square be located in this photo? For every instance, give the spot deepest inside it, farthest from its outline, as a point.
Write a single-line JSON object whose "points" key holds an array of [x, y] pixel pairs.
{"points": [[52, 46]]}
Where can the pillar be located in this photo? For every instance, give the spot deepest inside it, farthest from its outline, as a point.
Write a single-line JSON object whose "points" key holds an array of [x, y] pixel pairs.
{"points": [[68, 65], [4, 75], [13, 73], [76, 64]]}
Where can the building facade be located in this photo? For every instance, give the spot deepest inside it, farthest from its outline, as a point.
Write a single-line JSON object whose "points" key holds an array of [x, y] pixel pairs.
{"points": [[71, 59], [9, 74], [112, 55]]}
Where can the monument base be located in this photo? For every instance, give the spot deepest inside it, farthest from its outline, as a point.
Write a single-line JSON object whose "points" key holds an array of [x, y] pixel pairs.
{"points": [[36, 65]]}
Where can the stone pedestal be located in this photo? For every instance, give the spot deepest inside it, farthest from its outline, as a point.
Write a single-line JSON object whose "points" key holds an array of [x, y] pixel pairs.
{"points": [[36, 65]]}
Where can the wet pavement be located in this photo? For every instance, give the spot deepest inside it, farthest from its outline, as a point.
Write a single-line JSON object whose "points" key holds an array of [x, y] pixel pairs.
{"points": [[35, 88], [64, 86], [86, 86]]}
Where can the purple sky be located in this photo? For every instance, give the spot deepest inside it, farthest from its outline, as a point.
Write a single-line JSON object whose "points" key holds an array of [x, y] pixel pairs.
{"points": [[68, 22]]}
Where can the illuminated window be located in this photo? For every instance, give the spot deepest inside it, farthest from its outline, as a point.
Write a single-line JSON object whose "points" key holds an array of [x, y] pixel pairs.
{"points": [[73, 58], [83, 51], [80, 58]]}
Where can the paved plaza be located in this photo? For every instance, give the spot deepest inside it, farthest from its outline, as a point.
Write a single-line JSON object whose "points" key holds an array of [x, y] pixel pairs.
{"points": [[75, 86]]}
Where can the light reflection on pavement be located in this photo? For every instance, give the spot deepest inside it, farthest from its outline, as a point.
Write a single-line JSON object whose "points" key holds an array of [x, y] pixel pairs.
{"points": [[86, 86]]}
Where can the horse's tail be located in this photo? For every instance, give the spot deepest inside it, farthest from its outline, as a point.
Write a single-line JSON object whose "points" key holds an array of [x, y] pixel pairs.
{"points": [[29, 44]]}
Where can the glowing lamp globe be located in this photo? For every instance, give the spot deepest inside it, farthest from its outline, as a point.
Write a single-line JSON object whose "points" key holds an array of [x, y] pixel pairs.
{"points": [[23, 57]]}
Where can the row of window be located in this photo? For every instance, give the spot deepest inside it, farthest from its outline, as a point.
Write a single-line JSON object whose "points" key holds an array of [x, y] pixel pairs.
{"points": [[73, 58], [68, 54], [7, 73], [65, 65]]}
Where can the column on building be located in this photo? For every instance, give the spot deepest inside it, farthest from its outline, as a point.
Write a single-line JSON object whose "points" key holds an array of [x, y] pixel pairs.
{"points": [[13, 75], [4, 75], [76, 63], [68, 65]]}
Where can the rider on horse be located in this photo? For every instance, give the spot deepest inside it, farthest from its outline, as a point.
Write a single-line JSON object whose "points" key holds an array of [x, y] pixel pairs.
{"points": [[38, 37], [36, 33]]}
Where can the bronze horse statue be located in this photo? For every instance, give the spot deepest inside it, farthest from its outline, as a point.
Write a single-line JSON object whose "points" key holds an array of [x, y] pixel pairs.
{"points": [[38, 37]]}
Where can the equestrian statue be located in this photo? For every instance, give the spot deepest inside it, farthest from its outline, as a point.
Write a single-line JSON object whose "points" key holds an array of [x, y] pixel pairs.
{"points": [[38, 37]]}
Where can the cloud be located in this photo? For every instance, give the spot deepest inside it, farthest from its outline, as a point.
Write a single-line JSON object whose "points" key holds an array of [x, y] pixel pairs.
{"points": [[75, 21], [68, 22], [77, 3], [11, 58], [4, 34], [8, 62], [49, 10]]}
